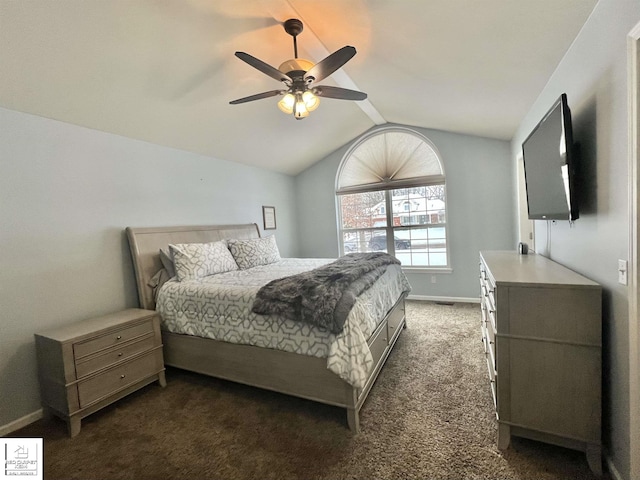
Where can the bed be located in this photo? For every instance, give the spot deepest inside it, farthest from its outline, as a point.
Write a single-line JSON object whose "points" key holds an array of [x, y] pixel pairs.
{"points": [[287, 372]]}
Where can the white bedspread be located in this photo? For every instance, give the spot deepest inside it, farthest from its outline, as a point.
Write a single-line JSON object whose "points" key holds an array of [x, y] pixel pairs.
{"points": [[219, 307]]}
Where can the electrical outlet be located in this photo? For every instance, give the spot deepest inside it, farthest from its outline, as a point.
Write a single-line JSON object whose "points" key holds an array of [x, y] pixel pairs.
{"points": [[433, 279], [622, 272]]}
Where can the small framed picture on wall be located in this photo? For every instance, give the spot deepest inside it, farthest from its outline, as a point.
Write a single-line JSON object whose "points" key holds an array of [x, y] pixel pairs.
{"points": [[269, 217]]}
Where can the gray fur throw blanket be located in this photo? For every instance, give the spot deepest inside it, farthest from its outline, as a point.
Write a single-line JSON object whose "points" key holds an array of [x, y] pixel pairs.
{"points": [[325, 295]]}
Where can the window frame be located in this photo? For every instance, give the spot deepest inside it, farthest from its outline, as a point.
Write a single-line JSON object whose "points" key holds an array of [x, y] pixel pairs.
{"points": [[388, 187]]}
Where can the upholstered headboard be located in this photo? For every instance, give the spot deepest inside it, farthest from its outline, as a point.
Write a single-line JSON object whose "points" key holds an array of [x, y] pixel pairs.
{"points": [[145, 244]]}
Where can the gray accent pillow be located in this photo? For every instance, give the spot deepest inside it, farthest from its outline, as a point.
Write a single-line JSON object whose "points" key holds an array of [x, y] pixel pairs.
{"points": [[197, 260], [254, 252], [167, 262], [157, 281]]}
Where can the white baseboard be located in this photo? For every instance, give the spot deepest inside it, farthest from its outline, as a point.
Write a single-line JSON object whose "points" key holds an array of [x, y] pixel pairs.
{"points": [[426, 298], [21, 422]]}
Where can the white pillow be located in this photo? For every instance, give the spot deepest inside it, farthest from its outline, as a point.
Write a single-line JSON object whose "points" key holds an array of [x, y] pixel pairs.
{"points": [[197, 260], [254, 252]]}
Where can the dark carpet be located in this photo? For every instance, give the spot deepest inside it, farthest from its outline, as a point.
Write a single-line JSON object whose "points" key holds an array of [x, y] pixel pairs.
{"points": [[429, 416]]}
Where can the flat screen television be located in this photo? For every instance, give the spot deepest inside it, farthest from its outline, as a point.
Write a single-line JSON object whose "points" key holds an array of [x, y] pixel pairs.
{"points": [[549, 166]]}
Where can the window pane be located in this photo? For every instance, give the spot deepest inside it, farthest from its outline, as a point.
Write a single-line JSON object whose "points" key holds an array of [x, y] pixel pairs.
{"points": [[436, 245], [421, 246], [418, 206], [363, 210], [411, 253], [363, 241]]}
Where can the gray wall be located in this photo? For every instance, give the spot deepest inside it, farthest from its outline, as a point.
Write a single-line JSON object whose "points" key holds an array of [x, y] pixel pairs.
{"points": [[66, 194], [594, 75], [480, 209]]}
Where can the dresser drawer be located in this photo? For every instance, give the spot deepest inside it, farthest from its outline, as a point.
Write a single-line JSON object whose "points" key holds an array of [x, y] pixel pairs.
{"points": [[483, 330], [487, 288], [491, 342], [112, 338], [491, 319], [488, 296], [113, 355], [118, 377], [494, 395], [491, 367]]}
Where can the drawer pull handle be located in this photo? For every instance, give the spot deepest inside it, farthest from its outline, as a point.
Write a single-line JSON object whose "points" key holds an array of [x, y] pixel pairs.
{"points": [[118, 337], [122, 376]]}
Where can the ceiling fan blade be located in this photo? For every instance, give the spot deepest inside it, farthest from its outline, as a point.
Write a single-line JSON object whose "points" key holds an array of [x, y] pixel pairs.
{"points": [[330, 64], [258, 96], [264, 67], [339, 93]]}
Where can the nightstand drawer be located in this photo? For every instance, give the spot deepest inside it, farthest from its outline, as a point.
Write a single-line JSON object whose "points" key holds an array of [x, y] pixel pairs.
{"points": [[119, 377], [115, 337], [113, 355]]}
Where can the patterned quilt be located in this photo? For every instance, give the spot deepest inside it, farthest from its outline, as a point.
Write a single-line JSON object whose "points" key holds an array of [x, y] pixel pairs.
{"points": [[219, 307]]}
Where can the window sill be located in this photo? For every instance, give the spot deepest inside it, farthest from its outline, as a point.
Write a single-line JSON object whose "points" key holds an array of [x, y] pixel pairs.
{"points": [[409, 269]]}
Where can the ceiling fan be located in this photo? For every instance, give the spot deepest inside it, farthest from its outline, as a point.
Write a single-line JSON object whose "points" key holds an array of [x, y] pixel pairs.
{"points": [[300, 75]]}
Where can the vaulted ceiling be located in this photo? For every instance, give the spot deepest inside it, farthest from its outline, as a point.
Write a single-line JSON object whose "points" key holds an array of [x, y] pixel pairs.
{"points": [[164, 71]]}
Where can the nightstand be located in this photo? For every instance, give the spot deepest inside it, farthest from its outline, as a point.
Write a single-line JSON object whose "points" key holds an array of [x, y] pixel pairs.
{"points": [[84, 366]]}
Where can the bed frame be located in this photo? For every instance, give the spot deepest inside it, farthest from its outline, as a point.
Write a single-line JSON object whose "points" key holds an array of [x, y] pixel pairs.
{"points": [[284, 372]]}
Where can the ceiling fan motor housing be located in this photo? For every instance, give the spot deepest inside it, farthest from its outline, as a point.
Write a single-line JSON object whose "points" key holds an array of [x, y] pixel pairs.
{"points": [[293, 66]]}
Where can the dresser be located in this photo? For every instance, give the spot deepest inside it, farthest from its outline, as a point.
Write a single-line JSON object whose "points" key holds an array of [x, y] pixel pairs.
{"points": [[542, 334], [87, 365]]}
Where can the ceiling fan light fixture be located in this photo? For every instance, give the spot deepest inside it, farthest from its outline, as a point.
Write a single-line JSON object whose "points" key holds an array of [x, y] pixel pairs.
{"points": [[287, 103], [310, 100], [300, 104], [300, 110]]}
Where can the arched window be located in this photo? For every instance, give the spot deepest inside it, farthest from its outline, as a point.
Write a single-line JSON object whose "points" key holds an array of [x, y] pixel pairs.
{"points": [[391, 196]]}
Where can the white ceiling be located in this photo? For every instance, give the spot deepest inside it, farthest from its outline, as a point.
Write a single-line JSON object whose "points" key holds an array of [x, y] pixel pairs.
{"points": [[163, 71]]}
